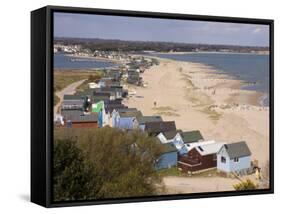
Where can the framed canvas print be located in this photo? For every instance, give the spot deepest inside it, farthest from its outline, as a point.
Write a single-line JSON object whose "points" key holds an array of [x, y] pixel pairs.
{"points": [[141, 106]]}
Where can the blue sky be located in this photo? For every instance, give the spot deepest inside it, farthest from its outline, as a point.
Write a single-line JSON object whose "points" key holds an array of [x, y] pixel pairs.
{"points": [[148, 29]]}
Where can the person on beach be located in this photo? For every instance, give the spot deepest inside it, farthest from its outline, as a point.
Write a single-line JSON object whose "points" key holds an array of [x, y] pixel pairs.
{"points": [[155, 103]]}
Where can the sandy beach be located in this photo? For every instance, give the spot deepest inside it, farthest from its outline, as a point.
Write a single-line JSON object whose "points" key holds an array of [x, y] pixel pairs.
{"points": [[197, 97]]}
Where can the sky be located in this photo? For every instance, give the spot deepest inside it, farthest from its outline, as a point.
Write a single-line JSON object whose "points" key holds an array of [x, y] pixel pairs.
{"points": [[152, 29]]}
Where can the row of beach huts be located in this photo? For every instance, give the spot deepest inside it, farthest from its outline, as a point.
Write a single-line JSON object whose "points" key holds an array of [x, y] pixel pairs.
{"points": [[101, 105]]}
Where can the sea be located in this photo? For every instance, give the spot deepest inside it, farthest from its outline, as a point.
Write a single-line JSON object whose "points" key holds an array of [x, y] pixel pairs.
{"points": [[250, 68], [64, 61]]}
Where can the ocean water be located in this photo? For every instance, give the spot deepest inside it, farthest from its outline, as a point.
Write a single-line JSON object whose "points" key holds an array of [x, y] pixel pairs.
{"points": [[251, 68], [62, 61]]}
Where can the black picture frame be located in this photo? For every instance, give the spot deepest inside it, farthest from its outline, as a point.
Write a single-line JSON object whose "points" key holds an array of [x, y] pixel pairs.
{"points": [[42, 103]]}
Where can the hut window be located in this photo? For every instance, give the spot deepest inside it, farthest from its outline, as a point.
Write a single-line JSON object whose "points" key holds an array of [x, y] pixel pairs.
{"points": [[236, 160], [223, 160]]}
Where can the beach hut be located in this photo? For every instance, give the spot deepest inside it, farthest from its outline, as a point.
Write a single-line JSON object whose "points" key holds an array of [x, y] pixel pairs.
{"points": [[188, 146], [76, 119], [167, 137], [154, 128], [93, 85], [187, 137], [105, 82], [200, 158], [73, 105], [146, 119], [168, 157], [126, 119], [234, 157]]}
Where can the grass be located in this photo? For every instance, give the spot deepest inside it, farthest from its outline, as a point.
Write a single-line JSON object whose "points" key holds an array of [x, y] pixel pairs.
{"points": [[163, 108], [207, 173], [56, 99], [166, 111], [175, 172], [65, 78], [213, 115], [92, 78]]}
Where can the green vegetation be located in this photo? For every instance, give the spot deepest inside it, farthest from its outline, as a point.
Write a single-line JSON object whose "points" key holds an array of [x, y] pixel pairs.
{"points": [[213, 114], [166, 111], [123, 45], [74, 177], [91, 78], [65, 78], [56, 99], [245, 185], [104, 163], [173, 171]]}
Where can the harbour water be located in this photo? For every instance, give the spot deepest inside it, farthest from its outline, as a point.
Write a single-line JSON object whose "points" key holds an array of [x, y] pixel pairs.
{"points": [[63, 61], [253, 69]]}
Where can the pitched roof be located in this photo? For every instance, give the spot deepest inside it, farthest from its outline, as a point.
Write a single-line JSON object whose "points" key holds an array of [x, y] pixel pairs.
{"points": [[109, 102], [136, 114], [191, 136], [68, 114], [168, 147], [85, 118], [238, 149], [208, 149], [146, 119], [170, 134], [73, 97], [97, 98], [79, 116], [161, 126], [127, 109], [73, 102], [110, 108]]}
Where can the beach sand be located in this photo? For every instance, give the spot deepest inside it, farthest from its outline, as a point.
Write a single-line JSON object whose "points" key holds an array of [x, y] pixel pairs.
{"points": [[197, 97]]}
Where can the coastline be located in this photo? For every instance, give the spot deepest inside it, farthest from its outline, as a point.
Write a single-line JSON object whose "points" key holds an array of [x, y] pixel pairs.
{"points": [[214, 103], [208, 52], [102, 59], [257, 97]]}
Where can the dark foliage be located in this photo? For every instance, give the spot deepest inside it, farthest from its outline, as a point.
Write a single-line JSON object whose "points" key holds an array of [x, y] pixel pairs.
{"points": [[113, 164]]}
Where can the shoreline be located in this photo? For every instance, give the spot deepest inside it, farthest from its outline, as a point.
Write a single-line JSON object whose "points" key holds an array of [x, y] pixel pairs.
{"points": [[207, 52], [197, 98], [257, 101], [116, 61]]}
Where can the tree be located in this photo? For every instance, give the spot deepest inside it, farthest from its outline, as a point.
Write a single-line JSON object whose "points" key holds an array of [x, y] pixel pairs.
{"points": [[122, 162], [245, 185], [73, 176]]}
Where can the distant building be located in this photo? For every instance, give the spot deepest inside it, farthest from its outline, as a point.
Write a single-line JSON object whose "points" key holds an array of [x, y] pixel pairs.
{"points": [[105, 82], [234, 157], [93, 85]]}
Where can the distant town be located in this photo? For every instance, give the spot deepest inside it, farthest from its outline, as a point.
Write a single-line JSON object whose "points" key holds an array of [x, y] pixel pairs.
{"points": [[91, 45]]}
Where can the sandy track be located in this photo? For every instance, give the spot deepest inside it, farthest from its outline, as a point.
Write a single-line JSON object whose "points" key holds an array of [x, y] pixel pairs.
{"points": [[177, 185], [70, 89]]}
